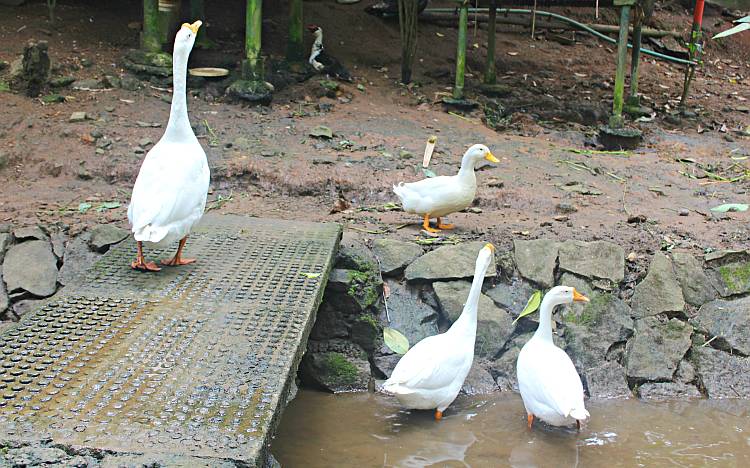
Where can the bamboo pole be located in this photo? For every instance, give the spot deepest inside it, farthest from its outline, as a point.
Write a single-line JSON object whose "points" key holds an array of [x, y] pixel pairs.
{"points": [[635, 60], [295, 47], [408, 10], [150, 40], [252, 66], [490, 74], [458, 88], [616, 121]]}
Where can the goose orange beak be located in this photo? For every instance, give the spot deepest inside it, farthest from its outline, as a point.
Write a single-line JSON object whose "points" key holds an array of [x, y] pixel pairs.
{"points": [[578, 297], [490, 246], [193, 27], [491, 158]]}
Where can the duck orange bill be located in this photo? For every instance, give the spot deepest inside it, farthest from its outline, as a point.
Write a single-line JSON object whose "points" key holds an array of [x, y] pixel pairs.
{"points": [[193, 27], [491, 158], [578, 297], [489, 246]]}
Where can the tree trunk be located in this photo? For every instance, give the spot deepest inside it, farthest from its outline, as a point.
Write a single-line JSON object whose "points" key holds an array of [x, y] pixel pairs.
{"points": [[408, 10], [150, 40], [463, 18], [295, 47]]}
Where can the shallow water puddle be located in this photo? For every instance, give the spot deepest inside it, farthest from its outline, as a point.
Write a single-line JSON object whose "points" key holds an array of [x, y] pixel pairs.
{"points": [[366, 430]]}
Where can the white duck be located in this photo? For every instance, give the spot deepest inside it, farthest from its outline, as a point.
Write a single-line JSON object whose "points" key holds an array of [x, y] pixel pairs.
{"points": [[550, 386], [170, 192], [439, 196], [431, 374]]}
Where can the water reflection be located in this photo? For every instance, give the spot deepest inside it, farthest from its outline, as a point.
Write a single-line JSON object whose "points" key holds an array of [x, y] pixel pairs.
{"points": [[366, 430]]}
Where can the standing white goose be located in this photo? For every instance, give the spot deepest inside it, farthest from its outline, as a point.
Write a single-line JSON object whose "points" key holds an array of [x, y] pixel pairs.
{"points": [[169, 195], [440, 196], [431, 374], [550, 386]]}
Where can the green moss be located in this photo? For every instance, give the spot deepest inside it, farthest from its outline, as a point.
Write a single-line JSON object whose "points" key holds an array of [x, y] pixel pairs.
{"points": [[364, 287], [736, 276], [592, 312], [339, 370], [366, 332]]}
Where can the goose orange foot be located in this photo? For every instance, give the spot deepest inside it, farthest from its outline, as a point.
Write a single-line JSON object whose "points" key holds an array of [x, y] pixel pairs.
{"points": [[140, 262], [530, 420], [438, 415], [426, 225], [444, 226], [178, 260]]}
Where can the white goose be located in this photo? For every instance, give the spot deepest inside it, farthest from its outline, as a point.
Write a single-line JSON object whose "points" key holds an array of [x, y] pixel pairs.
{"points": [[550, 386], [169, 195], [431, 374], [439, 196]]}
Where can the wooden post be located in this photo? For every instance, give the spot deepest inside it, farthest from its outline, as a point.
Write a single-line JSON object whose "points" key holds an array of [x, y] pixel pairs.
{"points": [[252, 66], [150, 40], [295, 48], [616, 120], [633, 99], [463, 19], [490, 75], [408, 10]]}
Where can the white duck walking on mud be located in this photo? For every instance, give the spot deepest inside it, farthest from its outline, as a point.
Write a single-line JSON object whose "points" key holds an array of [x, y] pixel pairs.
{"points": [[431, 374], [550, 386], [439, 196], [169, 195]]}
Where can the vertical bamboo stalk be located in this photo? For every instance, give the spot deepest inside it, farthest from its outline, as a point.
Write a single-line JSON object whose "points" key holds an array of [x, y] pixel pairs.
{"points": [[295, 47], [635, 61], [615, 120], [252, 67], [150, 40], [408, 10], [490, 74], [463, 19]]}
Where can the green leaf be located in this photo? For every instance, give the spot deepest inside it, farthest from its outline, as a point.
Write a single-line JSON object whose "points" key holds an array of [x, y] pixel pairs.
{"points": [[531, 305], [730, 207], [731, 31], [84, 207], [310, 275], [428, 173], [111, 205], [397, 342]]}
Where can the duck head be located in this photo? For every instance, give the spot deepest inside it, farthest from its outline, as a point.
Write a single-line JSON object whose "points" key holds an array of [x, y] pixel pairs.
{"points": [[485, 257], [313, 28], [183, 42], [564, 295], [475, 154]]}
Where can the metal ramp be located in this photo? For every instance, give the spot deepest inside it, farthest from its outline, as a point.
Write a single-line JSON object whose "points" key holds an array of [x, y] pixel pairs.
{"points": [[194, 361]]}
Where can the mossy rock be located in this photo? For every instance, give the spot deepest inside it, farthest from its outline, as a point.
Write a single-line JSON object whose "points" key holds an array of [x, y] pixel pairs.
{"points": [[149, 63], [734, 278], [366, 332], [252, 91], [365, 288], [335, 365]]}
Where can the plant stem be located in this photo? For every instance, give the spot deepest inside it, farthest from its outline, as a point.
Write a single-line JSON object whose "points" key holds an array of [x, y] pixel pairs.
{"points": [[252, 67], [458, 89], [150, 40], [294, 48]]}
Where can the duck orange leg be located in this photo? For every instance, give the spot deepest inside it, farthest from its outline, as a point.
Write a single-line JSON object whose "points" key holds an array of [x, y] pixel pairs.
{"points": [[530, 420], [578, 425], [426, 224], [438, 415], [140, 262], [178, 260], [440, 225]]}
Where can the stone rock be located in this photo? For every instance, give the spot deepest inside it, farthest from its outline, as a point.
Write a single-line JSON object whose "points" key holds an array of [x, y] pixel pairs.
{"points": [[104, 235], [696, 285], [157, 64], [129, 82], [685, 372], [411, 316], [78, 258], [78, 116], [366, 332], [157, 460], [504, 367], [479, 381], [659, 291], [254, 92], [727, 323], [4, 243], [657, 348], [595, 339], [29, 233], [58, 240], [448, 262], [61, 81], [511, 297], [606, 380], [4, 299], [494, 325], [732, 277], [30, 76], [335, 365], [595, 260], [35, 456], [536, 259], [353, 255], [386, 363], [667, 391], [31, 267], [88, 84], [330, 321], [721, 374], [395, 255], [23, 307]]}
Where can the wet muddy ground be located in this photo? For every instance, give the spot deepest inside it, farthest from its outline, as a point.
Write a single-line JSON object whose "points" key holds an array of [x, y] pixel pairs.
{"points": [[491, 432]]}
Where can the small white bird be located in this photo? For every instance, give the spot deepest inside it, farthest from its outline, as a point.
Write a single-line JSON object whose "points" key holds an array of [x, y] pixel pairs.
{"points": [[550, 386], [439, 196], [431, 374], [169, 195]]}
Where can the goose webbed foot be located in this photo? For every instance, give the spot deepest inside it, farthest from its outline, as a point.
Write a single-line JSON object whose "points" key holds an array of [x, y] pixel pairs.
{"points": [[440, 224], [426, 225], [140, 262], [177, 260], [530, 420], [438, 415]]}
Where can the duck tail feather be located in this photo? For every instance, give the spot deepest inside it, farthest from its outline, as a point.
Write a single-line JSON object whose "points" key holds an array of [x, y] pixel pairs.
{"points": [[580, 414]]}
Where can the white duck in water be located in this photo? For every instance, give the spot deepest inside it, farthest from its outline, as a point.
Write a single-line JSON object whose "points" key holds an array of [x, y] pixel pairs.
{"points": [[550, 386], [170, 192], [431, 374], [439, 196]]}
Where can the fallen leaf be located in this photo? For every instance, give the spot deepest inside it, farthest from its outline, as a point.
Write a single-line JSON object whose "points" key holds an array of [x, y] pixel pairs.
{"points": [[310, 275], [531, 305], [730, 207], [84, 207], [428, 173], [396, 341], [512, 54], [321, 131]]}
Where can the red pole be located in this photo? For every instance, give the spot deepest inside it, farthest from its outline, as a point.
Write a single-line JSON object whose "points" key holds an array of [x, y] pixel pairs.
{"points": [[698, 15], [695, 49]]}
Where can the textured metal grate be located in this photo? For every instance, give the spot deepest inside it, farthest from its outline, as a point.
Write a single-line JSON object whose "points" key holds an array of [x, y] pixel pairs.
{"points": [[193, 360]]}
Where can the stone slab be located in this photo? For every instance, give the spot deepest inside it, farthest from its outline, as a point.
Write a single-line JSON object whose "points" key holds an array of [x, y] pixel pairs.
{"points": [[194, 361]]}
